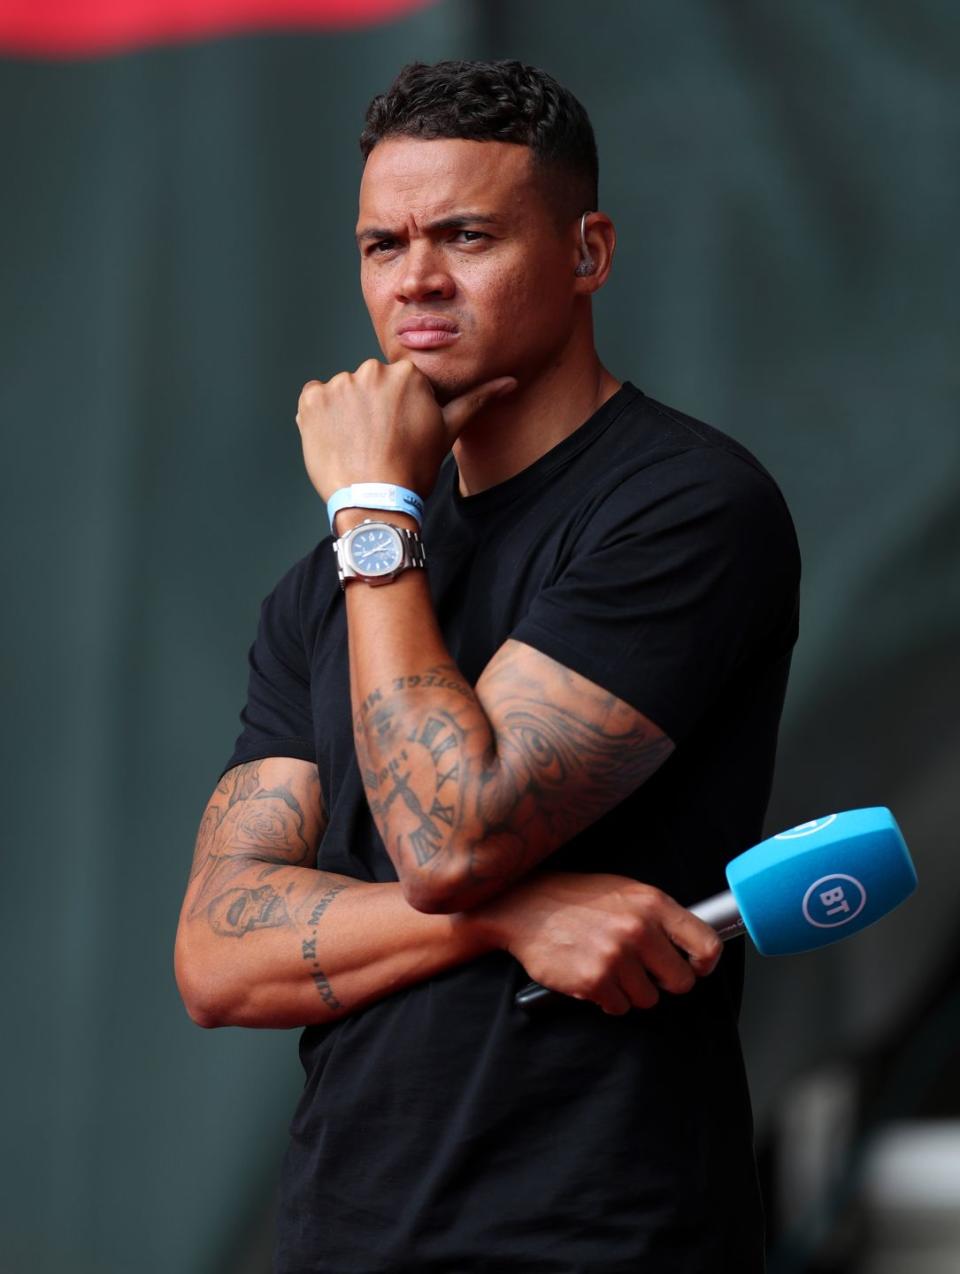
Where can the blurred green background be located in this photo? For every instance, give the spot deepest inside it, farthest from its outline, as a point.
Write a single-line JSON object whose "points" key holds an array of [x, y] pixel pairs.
{"points": [[177, 259]]}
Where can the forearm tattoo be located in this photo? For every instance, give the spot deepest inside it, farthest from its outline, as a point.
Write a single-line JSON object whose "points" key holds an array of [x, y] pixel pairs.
{"points": [[502, 783], [246, 822], [308, 946], [241, 910], [254, 831]]}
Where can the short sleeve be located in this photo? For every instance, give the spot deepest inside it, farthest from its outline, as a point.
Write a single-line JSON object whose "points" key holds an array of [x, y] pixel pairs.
{"points": [[684, 574], [277, 717]]}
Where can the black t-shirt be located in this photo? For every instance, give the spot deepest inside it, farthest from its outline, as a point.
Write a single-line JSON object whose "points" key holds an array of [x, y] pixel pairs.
{"points": [[443, 1128]]}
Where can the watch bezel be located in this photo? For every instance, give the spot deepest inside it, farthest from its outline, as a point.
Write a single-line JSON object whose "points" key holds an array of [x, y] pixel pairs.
{"points": [[411, 553], [373, 577]]}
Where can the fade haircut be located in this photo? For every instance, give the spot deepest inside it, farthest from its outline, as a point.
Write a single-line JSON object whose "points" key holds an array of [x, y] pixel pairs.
{"points": [[495, 102]]}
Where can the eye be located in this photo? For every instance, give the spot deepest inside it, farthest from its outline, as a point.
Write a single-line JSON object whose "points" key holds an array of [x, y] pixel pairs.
{"points": [[470, 236], [380, 247]]}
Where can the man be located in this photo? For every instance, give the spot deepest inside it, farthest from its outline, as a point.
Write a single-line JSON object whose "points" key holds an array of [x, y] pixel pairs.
{"points": [[510, 763]]}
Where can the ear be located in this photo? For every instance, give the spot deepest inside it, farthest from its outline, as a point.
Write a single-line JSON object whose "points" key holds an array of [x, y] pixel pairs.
{"points": [[601, 240]]}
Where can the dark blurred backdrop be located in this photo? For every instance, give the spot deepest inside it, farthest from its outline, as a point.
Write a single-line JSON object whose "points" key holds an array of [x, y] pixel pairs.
{"points": [[177, 259]]}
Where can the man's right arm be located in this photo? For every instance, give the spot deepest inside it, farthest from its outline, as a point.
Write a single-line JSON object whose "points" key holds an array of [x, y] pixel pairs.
{"points": [[265, 939]]}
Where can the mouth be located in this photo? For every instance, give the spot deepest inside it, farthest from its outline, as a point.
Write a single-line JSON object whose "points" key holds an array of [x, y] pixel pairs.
{"points": [[427, 331]]}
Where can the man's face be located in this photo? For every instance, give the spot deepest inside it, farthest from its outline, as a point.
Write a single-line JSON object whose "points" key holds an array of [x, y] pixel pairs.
{"points": [[464, 269]]}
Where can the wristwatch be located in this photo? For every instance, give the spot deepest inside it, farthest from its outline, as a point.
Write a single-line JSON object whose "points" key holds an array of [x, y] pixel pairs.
{"points": [[377, 552]]}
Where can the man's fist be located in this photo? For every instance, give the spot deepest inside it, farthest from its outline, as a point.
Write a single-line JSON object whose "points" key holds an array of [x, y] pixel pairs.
{"points": [[382, 423], [603, 938]]}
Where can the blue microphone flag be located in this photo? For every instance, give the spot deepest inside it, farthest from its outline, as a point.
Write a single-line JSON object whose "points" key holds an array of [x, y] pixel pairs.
{"points": [[822, 880]]}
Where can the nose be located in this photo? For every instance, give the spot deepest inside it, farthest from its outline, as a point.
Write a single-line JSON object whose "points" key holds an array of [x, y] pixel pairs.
{"points": [[425, 276]]}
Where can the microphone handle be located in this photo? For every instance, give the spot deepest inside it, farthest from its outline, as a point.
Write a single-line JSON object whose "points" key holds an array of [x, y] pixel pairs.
{"points": [[720, 912]]}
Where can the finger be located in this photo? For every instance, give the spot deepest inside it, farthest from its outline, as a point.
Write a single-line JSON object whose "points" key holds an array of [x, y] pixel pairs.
{"points": [[665, 966], [612, 998], [459, 411], [695, 937], [636, 983], [310, 388], [307, 393]]}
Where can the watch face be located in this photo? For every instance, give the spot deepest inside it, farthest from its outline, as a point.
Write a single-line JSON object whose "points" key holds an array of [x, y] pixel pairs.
{"points": [[375, 550]]}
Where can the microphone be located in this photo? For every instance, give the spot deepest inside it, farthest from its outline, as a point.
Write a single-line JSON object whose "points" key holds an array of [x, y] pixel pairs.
{"points": [[806, 887]]}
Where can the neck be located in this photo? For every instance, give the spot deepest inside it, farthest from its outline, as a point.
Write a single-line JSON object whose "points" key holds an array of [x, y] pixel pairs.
{"points": [[513, 432]]}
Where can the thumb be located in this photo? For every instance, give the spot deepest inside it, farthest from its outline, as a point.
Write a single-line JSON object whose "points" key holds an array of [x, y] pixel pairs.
{"points": [[459, 411]]}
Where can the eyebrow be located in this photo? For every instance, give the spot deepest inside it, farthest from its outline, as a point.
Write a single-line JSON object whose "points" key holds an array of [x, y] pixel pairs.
{"points": [[459, 222]]}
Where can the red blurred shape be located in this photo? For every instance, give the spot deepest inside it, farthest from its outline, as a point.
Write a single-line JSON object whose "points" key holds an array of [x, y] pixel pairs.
{"points": [[82, 28]]}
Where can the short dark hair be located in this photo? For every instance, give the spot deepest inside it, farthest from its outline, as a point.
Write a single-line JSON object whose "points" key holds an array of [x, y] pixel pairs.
{"points": [[502, 101]]}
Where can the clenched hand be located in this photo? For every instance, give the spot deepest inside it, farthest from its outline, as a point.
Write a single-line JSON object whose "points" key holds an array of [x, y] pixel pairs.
{"points": [[382, 423], [604, 938]]}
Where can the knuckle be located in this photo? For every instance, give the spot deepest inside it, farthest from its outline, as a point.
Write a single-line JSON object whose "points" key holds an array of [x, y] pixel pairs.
{"points": [[648, 905], [640, 928], [595, 976], [654, 899]]}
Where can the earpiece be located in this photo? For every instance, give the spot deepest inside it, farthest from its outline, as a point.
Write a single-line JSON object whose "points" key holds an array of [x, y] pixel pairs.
{"points": [[587, 264]]}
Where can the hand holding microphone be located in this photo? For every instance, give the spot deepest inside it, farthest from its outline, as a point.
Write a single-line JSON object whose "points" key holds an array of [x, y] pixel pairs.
{"points": [[801, 889], [607, 939]]}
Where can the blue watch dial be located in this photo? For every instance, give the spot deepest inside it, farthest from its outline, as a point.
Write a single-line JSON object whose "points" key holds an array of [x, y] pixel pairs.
{"points": [[375, 551]]}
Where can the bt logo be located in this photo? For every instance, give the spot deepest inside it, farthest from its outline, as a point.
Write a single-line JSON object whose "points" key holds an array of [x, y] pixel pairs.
{"points": [[834, 900], [807, 829]]}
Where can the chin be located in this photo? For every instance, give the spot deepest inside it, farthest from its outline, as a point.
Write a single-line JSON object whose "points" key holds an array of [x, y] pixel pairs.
{"points": [[448, 382], [446, 389]]}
